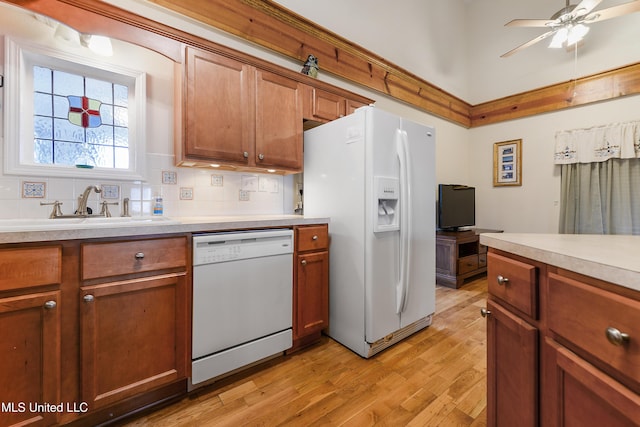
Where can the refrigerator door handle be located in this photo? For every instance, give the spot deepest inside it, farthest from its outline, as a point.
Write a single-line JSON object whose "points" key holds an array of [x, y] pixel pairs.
{"points": [[402, 288]]}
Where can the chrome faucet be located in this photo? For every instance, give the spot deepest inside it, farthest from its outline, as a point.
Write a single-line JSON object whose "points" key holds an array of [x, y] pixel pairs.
{"points": [[82, 200]]}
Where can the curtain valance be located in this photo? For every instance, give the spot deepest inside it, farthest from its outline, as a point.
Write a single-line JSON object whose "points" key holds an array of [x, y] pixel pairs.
{"points": [[598, 144]]}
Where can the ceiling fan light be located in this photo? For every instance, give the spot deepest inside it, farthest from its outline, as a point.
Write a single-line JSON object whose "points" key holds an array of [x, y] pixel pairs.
{"points": [[576, 34], [559, 38]]}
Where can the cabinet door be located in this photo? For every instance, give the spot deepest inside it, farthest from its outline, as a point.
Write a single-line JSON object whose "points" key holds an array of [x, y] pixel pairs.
{"points": [[585, 396], [30, 358], [133, 337], [352, 105], [312, 293], [217, 113], [278, 122], [327, 106], [512, 369]]}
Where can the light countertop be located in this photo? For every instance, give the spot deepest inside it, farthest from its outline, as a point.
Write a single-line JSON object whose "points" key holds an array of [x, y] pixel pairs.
{"points": [[41, 230], [612, 258]]}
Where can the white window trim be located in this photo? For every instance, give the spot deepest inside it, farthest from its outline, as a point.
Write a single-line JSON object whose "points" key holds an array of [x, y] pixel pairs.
{"points": [[20, 56]]}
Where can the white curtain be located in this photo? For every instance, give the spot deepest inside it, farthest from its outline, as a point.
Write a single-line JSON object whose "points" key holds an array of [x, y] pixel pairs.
{"points": [[600, 179]]}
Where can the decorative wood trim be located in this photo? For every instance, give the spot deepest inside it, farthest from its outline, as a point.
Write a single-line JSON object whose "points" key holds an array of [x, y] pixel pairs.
{"points": [[276, 28], [586, 90]]}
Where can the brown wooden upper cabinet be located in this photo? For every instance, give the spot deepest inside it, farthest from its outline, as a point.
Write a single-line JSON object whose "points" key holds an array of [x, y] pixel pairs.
{"points": [[239, 116], [323, 106]]}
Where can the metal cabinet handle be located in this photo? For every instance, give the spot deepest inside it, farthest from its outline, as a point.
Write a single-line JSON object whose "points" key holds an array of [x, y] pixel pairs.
{"points": [[303, 262], [261, 156], [314, 238], [245, 154], [502, 280], [139, 255], [484, 312], [616, 337], [88, 298], [50, 304]]}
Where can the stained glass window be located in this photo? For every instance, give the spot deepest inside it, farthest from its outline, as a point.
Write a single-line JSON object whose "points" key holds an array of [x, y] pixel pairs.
{"points": [[79, 120]]}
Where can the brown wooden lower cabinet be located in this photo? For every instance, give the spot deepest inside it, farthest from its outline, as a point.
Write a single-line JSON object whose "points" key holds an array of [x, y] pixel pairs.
{"points": [[585, 396], [562, 348], [30, 358], [310, 284], [512, 369], [131, 337], [91, 331]]}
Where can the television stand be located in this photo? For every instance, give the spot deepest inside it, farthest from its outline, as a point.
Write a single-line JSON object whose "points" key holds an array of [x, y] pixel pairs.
{"points": [[459, 256]]}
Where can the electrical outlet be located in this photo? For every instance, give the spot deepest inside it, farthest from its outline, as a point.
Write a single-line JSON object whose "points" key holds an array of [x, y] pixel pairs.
{"points": [[217, 180], [243, 195]]}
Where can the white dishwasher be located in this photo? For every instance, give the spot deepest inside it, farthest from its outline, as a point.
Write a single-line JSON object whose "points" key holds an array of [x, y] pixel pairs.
{"points": [[242, 300]]}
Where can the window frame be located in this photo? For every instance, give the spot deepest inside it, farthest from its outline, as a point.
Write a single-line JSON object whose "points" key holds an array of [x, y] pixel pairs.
{"points": [[18, 144]]}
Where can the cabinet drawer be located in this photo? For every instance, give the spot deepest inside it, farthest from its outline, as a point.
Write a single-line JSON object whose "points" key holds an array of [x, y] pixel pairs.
{"points": [[28, 267], [136, 256], [312, 238], [581, 314], [482, 260], [467, 264], [514, 282]]}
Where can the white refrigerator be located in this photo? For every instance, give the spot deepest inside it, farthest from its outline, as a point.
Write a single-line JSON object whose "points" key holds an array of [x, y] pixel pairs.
{"points": [[373, 174]]}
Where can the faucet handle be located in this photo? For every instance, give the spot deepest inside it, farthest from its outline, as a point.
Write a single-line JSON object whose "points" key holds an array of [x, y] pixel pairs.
{"points": [[56, 211], [105, 208]]}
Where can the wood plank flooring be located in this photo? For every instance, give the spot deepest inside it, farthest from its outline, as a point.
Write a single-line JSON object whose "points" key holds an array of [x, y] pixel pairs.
{"points": [[436, 377]]}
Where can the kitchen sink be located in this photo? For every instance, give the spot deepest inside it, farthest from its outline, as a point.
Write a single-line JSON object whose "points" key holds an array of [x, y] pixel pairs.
{"points": [[70, 223]]}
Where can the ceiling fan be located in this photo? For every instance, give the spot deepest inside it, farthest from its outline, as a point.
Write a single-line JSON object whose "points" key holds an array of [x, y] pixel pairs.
{"points": [[570, 24]]}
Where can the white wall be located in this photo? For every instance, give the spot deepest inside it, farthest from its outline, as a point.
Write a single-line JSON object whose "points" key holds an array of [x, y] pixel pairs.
{"points": [[533, 207]]}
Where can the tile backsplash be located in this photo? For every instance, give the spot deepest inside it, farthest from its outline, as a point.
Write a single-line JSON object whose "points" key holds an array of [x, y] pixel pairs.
{"points": [[185, 192]]}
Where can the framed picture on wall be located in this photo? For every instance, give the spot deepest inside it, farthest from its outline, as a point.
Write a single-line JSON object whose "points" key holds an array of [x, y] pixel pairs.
{"points": [[507, 163]]}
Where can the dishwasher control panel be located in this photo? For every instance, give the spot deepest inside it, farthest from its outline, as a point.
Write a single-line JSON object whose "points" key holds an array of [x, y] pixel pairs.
{"points": [[224, 247]]}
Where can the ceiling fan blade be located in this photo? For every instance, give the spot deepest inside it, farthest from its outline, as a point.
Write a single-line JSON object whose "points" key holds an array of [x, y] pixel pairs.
{"points": [[613, 12], [527, 44], [529, 23], [585, 6]]}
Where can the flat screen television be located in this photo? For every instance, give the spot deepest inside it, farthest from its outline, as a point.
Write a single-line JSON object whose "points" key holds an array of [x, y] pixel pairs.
{"points": [[456, 206]]}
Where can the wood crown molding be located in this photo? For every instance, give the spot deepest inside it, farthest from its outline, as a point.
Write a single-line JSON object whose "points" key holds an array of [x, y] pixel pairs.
{"points": [[276, 28]]}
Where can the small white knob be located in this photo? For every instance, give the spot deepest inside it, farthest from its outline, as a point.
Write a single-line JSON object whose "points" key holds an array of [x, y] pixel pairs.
{"points": [[139, 255], [50, 304], [88, 298], [303, 262]]}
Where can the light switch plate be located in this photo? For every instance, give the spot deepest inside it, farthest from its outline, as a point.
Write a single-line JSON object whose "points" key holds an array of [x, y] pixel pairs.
{"points": [[243, 195]]}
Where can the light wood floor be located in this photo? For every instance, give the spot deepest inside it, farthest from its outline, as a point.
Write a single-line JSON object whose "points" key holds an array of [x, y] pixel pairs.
{"points": [[436, 377]]}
